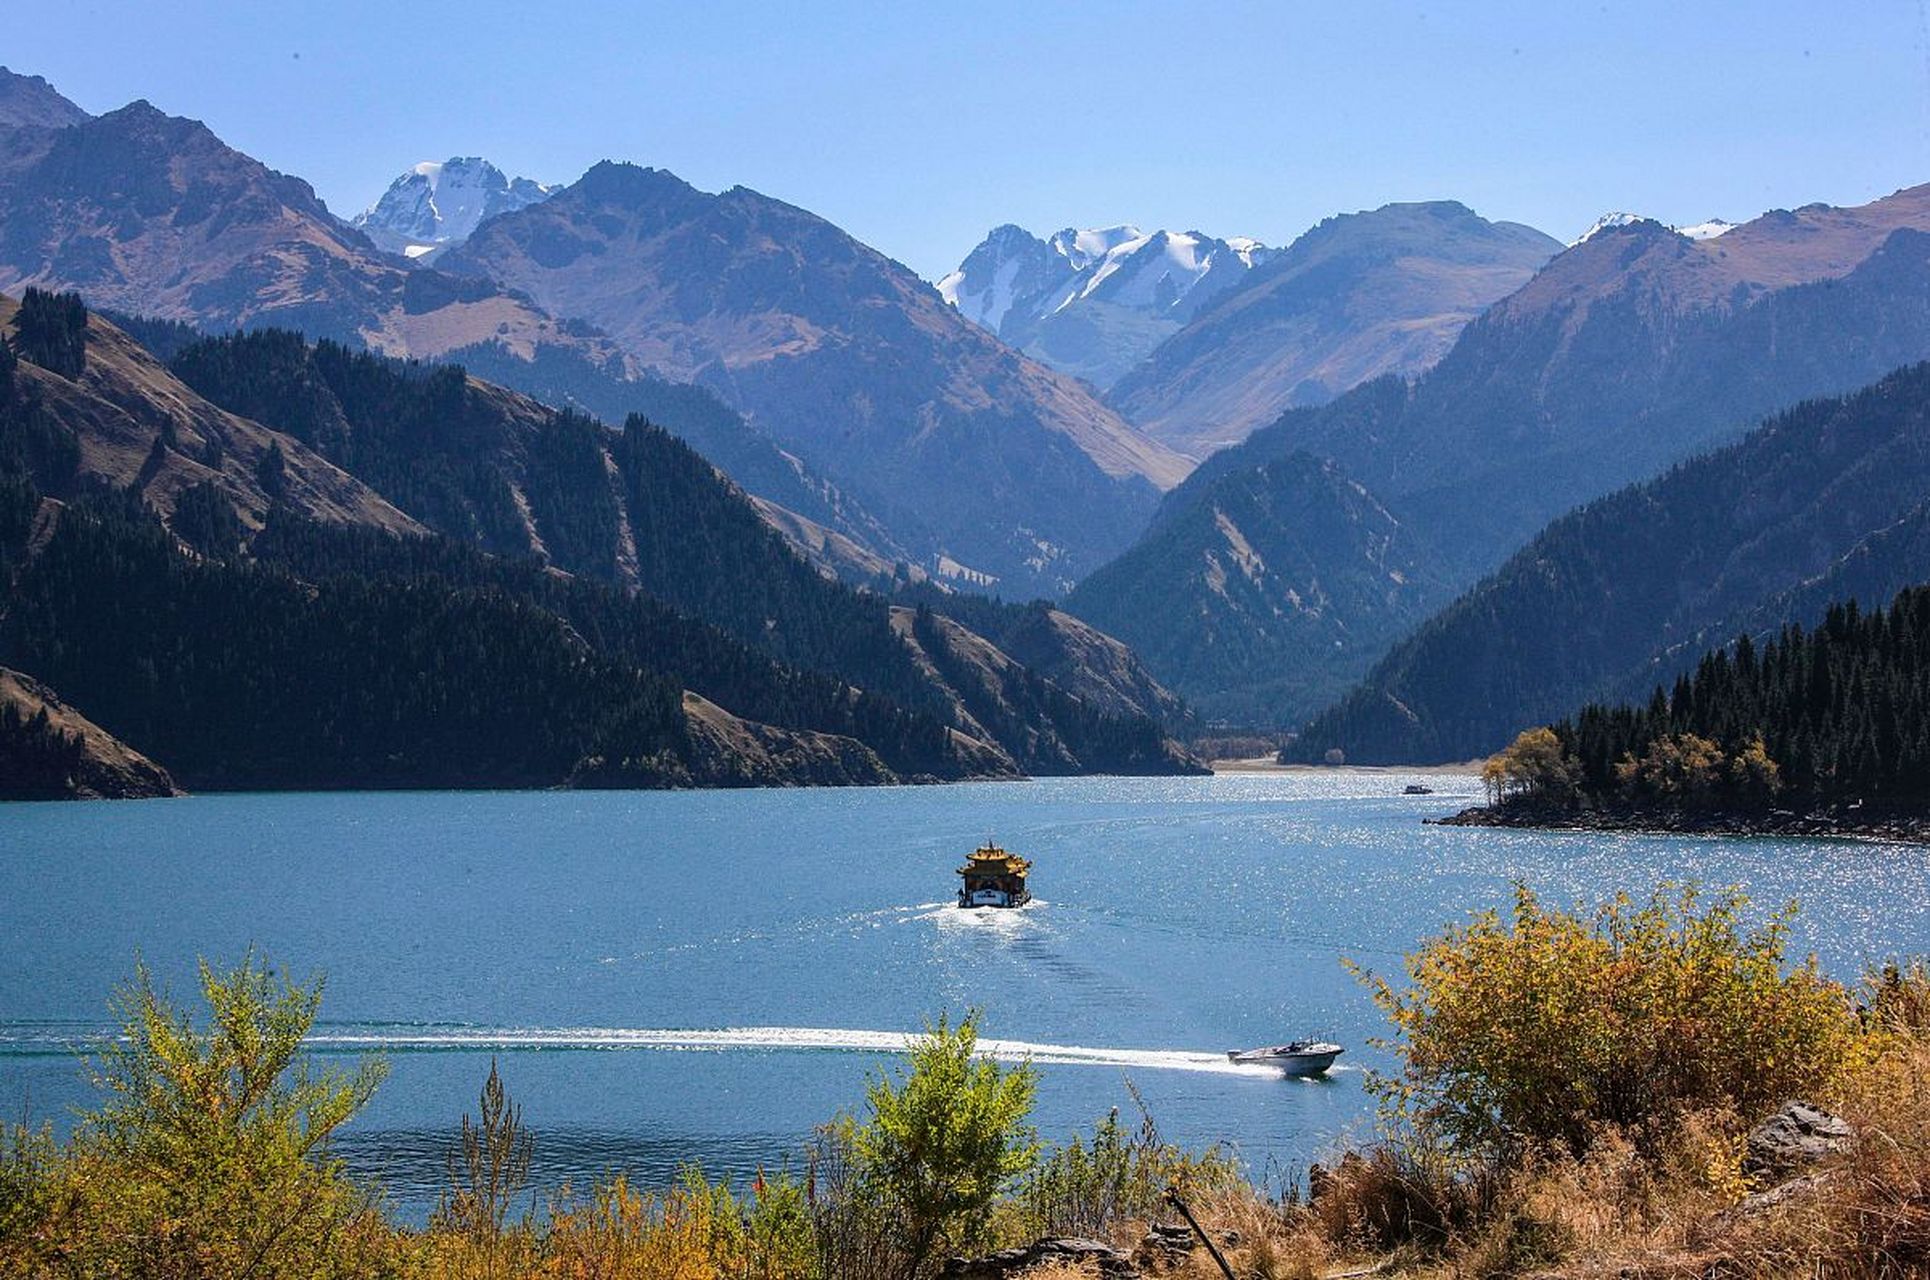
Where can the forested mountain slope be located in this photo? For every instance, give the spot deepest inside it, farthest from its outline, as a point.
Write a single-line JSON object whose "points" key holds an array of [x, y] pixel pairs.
{"points": [[1258, 604], [195, 640], [1597, 602]]}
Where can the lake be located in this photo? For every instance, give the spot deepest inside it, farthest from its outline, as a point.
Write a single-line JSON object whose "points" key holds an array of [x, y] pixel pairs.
{"points": [[704, 976]]}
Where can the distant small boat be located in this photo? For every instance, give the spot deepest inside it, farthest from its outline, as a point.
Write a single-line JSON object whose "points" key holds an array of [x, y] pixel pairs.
{"points": [[1416, 789], [994, 878], [1299, 1058]]}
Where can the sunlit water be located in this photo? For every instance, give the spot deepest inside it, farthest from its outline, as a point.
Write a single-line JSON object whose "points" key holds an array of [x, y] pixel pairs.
{"points": [[704, 976]]}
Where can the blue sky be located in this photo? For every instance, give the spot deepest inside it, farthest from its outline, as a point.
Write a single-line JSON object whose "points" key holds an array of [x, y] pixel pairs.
{"points": [[918, 125]]}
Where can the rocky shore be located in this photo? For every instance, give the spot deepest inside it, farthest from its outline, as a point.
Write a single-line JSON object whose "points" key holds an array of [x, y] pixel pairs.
{"points": [[1850, 822]]}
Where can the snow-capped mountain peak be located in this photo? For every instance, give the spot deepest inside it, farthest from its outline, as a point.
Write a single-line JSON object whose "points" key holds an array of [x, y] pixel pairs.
{"points": [[1094, 301], [439, 203], [1699, 231], [1606, 222]]}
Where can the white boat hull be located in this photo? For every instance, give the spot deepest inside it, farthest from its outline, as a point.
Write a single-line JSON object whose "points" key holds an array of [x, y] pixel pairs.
{"points": [[993, 898], [1296, 1060]]}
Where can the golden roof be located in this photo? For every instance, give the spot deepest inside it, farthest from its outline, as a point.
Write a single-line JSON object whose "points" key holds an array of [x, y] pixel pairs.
{"points": [[990, 860]]}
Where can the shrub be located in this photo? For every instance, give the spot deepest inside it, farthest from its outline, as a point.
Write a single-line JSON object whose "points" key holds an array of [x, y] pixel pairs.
{"points": [[210, 1156], [1082, 1189], [945, 1138], [1548, 1026], [489, 1166]]}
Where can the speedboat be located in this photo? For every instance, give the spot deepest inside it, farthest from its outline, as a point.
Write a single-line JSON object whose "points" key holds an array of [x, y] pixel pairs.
{"points": [[1298, 1058]]}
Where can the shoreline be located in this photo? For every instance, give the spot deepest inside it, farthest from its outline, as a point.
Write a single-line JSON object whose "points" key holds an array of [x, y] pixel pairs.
{"points": [[1268, 764], [1830, 824]]}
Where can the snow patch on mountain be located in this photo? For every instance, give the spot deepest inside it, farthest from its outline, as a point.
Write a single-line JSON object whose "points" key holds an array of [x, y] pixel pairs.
{"points": [[1094, 301], [1706, 230], [1699, 231], [440, 203]]}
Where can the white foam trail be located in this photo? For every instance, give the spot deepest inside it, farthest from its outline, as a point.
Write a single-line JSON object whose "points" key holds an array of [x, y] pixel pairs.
{"points": [[829, 1039]]}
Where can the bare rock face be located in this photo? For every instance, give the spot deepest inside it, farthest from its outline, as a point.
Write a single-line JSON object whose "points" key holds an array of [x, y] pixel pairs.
{"points": [[1014, 1262], [1798, 1135]]}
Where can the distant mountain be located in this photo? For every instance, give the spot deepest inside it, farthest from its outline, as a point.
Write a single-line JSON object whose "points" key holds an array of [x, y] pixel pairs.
{"points": [[30, 102], [1627, 352], [1094, 303], [437, 204], [152, 214], [1257, 604], [1699, 231], [1822, 502], [991, 466], [148, 215], [1360, 295]]}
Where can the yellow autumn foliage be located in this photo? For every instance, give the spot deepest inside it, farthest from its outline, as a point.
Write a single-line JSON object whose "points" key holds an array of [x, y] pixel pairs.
{"points": [[1547, 1026]]}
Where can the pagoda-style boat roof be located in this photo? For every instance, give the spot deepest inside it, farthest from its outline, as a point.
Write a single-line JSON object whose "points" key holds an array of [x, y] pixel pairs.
{"points": [[990, 860]]}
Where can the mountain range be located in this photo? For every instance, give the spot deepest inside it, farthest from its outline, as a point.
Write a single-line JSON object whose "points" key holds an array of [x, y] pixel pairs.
{"points": [[1094, 303], [1823, 503], [206, 523], [1629, 351], [1359, 296], [1385, 412], [967, 459], [1008, 472]]}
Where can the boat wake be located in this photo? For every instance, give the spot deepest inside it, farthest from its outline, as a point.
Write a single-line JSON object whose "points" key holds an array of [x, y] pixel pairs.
{"points": [[19, 1040]]}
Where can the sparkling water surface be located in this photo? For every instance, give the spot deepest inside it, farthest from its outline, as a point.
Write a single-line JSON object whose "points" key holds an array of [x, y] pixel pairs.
{"points": [[667, 977]]}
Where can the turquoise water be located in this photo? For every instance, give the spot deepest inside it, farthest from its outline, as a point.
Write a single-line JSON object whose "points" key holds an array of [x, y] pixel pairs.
{"points": [[667, 977]]}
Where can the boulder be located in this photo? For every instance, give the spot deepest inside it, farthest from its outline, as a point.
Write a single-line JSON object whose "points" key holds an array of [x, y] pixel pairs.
{"points": [[1013, 1262], [1798, 1135], [1169, 1237]]}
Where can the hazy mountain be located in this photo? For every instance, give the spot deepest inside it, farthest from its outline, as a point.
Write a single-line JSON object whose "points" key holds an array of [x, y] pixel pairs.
{"points": [[1698, 231], [152, 214], [1626, 352], [439, 203], [1096, 302], [1629, 351], [1360, 295], [992, 466], [149, 215], [1257, 604], [30, 102], [1824, 501]]}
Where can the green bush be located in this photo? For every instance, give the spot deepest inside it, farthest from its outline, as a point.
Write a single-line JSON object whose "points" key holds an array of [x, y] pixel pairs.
{"points": [[210, 1156], [945, 1138], [1081, 1189]]}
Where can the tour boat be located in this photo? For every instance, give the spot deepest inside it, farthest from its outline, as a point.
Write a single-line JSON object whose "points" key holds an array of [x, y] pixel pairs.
{"points": [[1300, 1058], [994, 878], [1417, 789]]}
